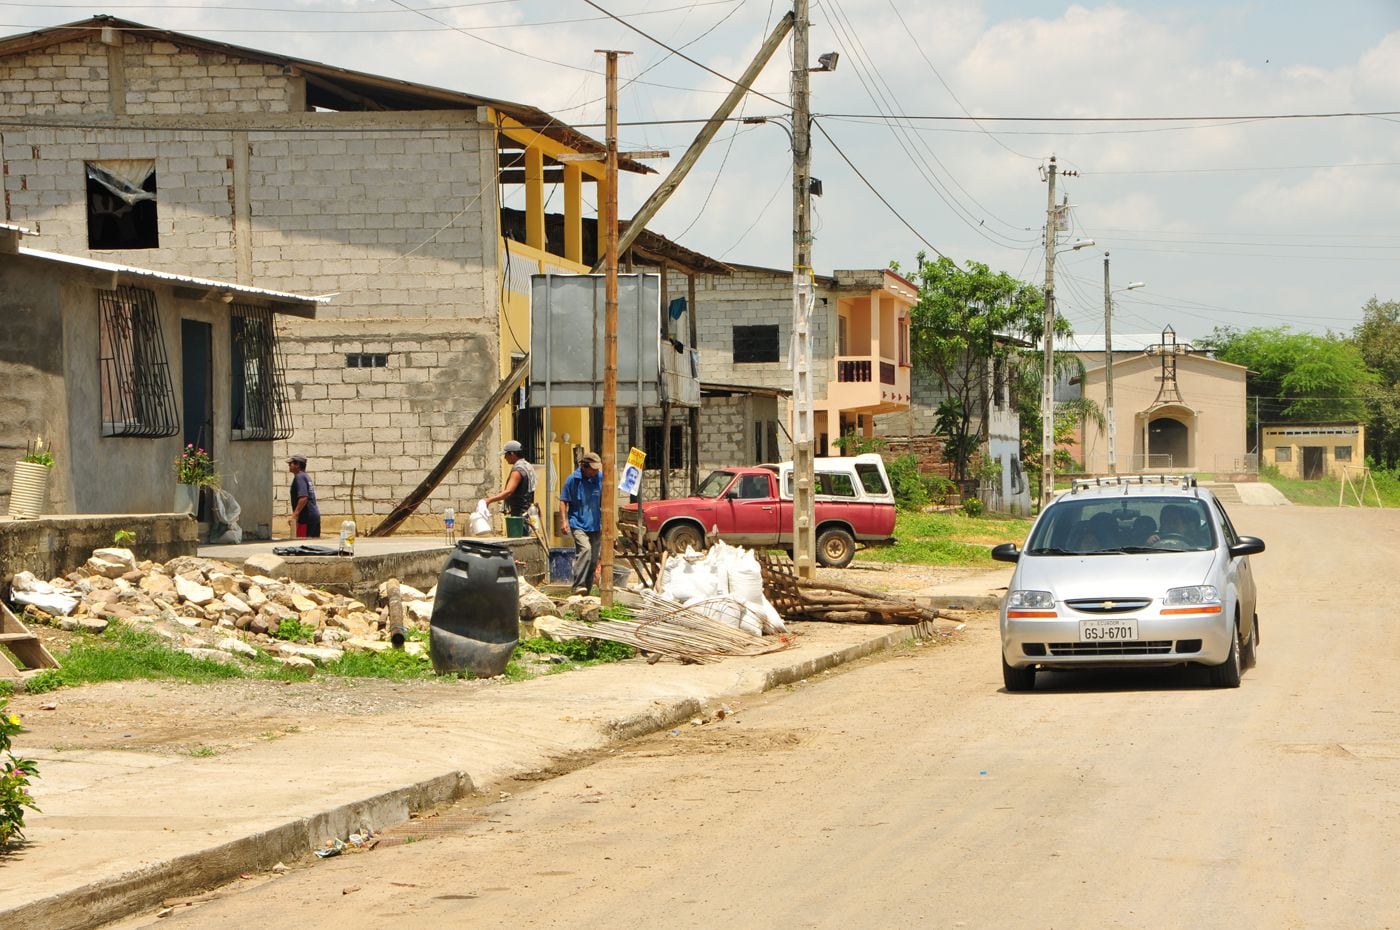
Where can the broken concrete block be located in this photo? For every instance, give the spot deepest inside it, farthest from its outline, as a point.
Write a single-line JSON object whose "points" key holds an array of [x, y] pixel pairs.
{"points": [[236, 646], [193, 591], [265, 563]]}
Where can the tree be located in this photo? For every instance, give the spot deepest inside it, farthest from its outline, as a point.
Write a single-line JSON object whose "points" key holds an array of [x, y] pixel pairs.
{"points": [[965, 322], [1298, 376], [1377, 337]]}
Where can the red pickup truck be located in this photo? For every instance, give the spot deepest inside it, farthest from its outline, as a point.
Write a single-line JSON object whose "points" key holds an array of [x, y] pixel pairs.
{"points": [[752, 506]]}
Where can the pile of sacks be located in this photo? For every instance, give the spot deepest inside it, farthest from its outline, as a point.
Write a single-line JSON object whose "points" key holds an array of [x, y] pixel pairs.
{"points": [[725, 583], [215, 610]]}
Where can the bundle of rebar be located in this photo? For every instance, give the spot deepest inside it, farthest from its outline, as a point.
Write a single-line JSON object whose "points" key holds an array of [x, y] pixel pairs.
{"points": [[669, 629]]}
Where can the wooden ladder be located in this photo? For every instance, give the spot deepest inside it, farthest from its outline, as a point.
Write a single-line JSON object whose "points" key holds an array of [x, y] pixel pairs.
{"points": [[22, 645]]}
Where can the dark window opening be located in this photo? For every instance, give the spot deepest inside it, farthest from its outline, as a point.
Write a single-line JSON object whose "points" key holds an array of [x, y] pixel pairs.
{"points": [[366, 360], [756, 343], [134, 372], [652, 447], [258, 391], [121, 205]]}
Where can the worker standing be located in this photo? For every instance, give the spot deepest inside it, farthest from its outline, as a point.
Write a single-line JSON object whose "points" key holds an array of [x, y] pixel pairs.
{"points": [[581, 510], [305, 520], [519, 492]]}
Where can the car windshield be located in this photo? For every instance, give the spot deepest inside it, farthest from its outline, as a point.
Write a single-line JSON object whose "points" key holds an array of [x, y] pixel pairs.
{"points": [[714, 485], [1090, 526]]}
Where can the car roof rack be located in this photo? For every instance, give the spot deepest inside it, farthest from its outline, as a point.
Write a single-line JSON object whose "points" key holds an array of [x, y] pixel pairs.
{"points": [[1125, 481]]}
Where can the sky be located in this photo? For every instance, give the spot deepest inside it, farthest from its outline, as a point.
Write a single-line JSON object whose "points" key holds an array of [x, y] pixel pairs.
{"points": [[1237, 222]]}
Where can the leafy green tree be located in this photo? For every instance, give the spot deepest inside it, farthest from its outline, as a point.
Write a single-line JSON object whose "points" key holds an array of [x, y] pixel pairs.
{"points": [[967, 322], [1298, 376], [1378, 339]]}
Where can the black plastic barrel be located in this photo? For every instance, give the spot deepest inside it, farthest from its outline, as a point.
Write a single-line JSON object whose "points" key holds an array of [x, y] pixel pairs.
{"points": [[476, 614]]}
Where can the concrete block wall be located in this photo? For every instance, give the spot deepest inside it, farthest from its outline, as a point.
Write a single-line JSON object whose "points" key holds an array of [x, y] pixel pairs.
{"points": [[386, 428], [752, 297], [158, 78], [392, 222]]}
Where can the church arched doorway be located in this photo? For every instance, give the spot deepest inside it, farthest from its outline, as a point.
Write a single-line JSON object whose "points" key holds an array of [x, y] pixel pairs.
{"points": [[1168, 443]]}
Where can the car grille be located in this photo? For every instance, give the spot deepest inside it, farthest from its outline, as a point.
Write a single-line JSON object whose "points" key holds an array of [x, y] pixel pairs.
{"points": [[1108, 605], [1140, 647]]}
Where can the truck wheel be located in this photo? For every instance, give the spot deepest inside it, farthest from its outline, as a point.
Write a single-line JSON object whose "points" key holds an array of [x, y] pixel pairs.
{"points": [[678, 537], [835, 547]]}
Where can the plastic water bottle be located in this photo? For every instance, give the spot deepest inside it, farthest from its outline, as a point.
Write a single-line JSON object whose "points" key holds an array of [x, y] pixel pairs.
{"points": [[449, 523], [347, 537]]}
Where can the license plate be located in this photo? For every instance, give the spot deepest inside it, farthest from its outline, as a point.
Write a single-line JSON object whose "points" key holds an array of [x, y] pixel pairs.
{"points": [[1103, 630]]}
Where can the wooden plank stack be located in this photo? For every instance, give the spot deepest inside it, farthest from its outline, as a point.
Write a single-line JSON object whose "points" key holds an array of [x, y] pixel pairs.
{"points": [[803, 599]]}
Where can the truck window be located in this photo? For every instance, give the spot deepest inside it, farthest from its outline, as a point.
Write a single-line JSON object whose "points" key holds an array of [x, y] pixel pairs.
{"points": [[754, 487], [871, 479], [835, 484]]}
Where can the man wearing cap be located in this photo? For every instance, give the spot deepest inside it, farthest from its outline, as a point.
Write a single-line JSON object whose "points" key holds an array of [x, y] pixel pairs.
{"points": [[581, 510], [306, 516], [520, 483]]}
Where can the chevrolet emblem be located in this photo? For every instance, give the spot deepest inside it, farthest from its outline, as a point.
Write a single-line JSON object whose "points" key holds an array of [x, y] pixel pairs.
{"points": [[1106, 605]]}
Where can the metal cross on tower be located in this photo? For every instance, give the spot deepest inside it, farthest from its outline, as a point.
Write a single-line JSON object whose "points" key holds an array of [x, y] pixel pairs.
{"points": [[1169, 349]]}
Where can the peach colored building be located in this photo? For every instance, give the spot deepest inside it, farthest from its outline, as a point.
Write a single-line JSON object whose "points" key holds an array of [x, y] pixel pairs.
{"points": [[1196, 423], [1313, 450]]}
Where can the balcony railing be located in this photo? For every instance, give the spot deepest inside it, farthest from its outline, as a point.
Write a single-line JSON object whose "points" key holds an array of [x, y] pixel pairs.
{"points": [[853, 370]]}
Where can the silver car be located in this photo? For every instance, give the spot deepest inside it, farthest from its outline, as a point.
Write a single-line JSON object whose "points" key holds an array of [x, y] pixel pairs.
{"points": [[1133, 570]]}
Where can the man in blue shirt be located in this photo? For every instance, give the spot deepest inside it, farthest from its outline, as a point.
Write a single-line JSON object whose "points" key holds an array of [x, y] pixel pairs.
{"points": [[306, 516], [581, 510]]}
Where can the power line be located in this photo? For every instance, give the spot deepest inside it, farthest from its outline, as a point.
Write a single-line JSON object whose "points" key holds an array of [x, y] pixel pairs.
{"points": [[881, 197], [682, 55], [887, 102], [1360, 164]]}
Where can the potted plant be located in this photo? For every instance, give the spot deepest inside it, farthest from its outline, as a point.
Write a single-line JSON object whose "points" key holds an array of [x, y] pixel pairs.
{"points": [[194, 469], [29, 484]]}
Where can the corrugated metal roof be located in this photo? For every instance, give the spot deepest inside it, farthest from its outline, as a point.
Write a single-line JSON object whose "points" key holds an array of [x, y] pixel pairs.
{"points": [[307, 305]]}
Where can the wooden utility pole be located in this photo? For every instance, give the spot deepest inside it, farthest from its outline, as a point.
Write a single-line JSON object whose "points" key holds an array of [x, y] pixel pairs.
{"points": [[804, 546], [609, 450], [702, 139]]}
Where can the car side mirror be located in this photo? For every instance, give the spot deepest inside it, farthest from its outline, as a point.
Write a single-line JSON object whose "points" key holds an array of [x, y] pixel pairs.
{"points": [[1007, 552], [731, 495], [1247, 545]]}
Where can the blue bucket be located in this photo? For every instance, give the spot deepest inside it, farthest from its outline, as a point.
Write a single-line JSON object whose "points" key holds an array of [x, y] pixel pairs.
{"points": [[561, 565]]}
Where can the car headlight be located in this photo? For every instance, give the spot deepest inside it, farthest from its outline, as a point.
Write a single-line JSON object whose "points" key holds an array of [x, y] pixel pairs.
{"points": [[1191, 595], [1034, 600]]}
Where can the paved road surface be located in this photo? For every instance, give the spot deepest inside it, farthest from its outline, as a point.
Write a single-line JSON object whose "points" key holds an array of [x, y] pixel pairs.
{"points": [[912, 792]]}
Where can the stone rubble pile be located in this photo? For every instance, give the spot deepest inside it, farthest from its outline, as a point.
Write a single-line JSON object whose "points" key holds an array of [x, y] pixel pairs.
{"points": [[215, 610]]}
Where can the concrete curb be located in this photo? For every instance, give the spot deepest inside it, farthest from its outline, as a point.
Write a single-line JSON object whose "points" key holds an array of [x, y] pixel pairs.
{"points": [[112, 899], [960, 601], [122, 895]]}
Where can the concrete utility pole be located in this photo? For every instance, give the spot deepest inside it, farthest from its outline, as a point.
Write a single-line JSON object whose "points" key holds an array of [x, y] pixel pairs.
{"points": [[1108, 369], [609, 450], [1047, 389], [804, 544]]}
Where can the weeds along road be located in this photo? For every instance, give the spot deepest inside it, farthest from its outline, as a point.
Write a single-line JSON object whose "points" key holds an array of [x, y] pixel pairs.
{"points": [[912, 792]]}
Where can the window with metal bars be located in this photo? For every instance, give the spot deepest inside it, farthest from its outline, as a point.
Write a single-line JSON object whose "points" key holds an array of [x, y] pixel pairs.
{"points": [[258, 394], [137, 396]]}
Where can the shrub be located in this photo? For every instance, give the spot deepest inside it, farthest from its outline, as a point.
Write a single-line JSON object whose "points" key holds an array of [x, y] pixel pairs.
{"points": [[15, 774], [973, 507], [906, 482]]}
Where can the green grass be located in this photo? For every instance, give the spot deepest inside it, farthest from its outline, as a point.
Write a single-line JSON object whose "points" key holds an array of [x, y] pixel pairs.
{"points": [[1324, 492], [948, 539]]}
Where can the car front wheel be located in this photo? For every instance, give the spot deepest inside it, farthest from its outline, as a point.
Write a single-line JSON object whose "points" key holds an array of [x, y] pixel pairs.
{"points": [[835, 548], [1017, 679], [1227, 673]]}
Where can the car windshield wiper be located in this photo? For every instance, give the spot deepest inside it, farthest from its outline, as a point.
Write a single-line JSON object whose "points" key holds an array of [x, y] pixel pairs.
{"points": [[1052, 551], [1135, 550]]}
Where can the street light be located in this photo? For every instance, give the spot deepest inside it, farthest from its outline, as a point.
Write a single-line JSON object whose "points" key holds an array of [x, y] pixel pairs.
{"points": [[1047, 388], [1108, 363]]}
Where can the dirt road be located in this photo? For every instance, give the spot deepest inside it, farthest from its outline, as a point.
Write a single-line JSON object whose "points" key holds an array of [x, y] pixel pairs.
{"points": [[912, 791]]}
